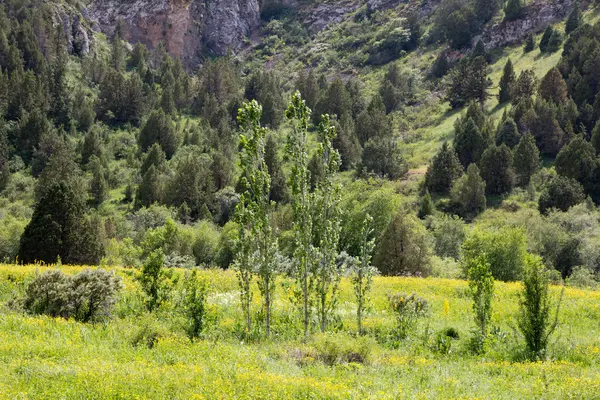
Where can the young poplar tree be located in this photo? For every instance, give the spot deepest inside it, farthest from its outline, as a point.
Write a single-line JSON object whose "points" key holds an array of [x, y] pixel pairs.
{"points": [[327, 225], [299, 115], [481, 285], [261, 246], [363, 270]]}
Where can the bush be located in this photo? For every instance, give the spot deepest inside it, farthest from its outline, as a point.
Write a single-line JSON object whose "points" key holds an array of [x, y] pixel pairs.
{"points": [[505, 250], [582, 278], [339, 348], [562, 193], [88, 296], [194, 303], [408, 309], [535, 320], [481, 286], [155, 280], [449, 234]]}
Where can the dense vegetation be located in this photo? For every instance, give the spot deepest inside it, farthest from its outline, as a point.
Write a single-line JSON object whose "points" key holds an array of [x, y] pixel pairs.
{"points": [[402, 148]]}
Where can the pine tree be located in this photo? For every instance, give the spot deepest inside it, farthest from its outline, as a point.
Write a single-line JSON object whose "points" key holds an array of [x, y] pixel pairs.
{"points": [[575, 19], [53, 229], [525, 86], [441, 66], [469, 82], [506, 82], [98, 184], [383, 157], [159, 129], [554, 88], [529, 45], [508, 133], [373, 122], [309, 87], [154, 157], [149, 191], [4, 158], [444, 170], [526, 159], [426, 206], [514, 10], [595, 140], [545, 41], [469, 143], [468, 193], [577, 160], [561, 193], [497, 170]]}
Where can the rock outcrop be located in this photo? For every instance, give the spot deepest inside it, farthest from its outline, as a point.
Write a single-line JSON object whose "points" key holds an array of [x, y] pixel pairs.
{"points": [[188, 28], [538, 15]]}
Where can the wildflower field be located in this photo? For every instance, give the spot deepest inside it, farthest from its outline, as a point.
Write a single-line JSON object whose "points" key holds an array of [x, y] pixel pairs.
{"points": [[139, 355]]}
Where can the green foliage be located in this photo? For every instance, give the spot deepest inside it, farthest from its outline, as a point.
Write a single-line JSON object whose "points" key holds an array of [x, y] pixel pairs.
{"points": [[87, 296], [383, 157], [155, 280], [508, 133], [497, 169], [159, 129], [575, 19], [526, 159], [404, 248], [561, 193], [258, 245], [426, 206], [469, 82], [508, 79], [468, 193], [481, 285], [577, 160], [514, 10], [444, 170], [505, 250], [529, 45], [408, 309], [554, 88], [469, 141], [535, 320], [195, 292], [449, 234], [362, 278]]}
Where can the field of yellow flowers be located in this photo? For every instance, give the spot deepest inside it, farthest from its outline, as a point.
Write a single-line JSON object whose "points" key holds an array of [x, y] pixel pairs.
{"points": [[139, 356]]}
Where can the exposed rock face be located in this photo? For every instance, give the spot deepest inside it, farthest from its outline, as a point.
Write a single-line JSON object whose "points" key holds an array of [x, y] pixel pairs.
{"points": [[187, 27], [537, 16]]}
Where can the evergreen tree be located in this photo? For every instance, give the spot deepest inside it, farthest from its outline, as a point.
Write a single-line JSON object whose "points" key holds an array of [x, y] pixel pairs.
{"points": [[309, 87], [529, 45], [595, 140], [373, 122], [336, 101], [514, 10], [444, 170], [577, 160], [383, 157], [469, 82], [526, 159], [426, 206], [469, 143], [403, 249], [497, 170], [441, 66], [98, 184], [545, 41], [53, 229], [4, 157], [159, 129], [555, 42], [506, 82], [154, 157], [508, 133], [468, 193], [525, 86], [561, 193], [575, 19], [149, 191], [554, 88], [480, 51], [347, 143], [92, 146]]}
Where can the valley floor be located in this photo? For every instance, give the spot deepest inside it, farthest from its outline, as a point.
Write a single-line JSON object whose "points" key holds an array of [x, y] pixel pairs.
{"points": [[46, 358]]}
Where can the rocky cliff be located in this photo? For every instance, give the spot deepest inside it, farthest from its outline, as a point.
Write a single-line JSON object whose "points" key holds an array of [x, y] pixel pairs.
{"points": [[188, 28]]}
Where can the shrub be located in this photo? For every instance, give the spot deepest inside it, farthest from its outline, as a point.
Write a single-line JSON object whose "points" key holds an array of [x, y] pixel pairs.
{"points": [[505, 249], [481, 285], [449, 234], [535, 320], [155, 280], [562, 193], [338, 348], [582, 278], [408, 309], [194, 303], [87, 296]]}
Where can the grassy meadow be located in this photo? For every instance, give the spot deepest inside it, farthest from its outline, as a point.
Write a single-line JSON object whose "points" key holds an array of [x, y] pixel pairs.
{"points": [[135, 355]]}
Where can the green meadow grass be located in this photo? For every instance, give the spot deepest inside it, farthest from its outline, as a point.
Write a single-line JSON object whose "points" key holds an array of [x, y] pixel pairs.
{"points": [[45, 358]]}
